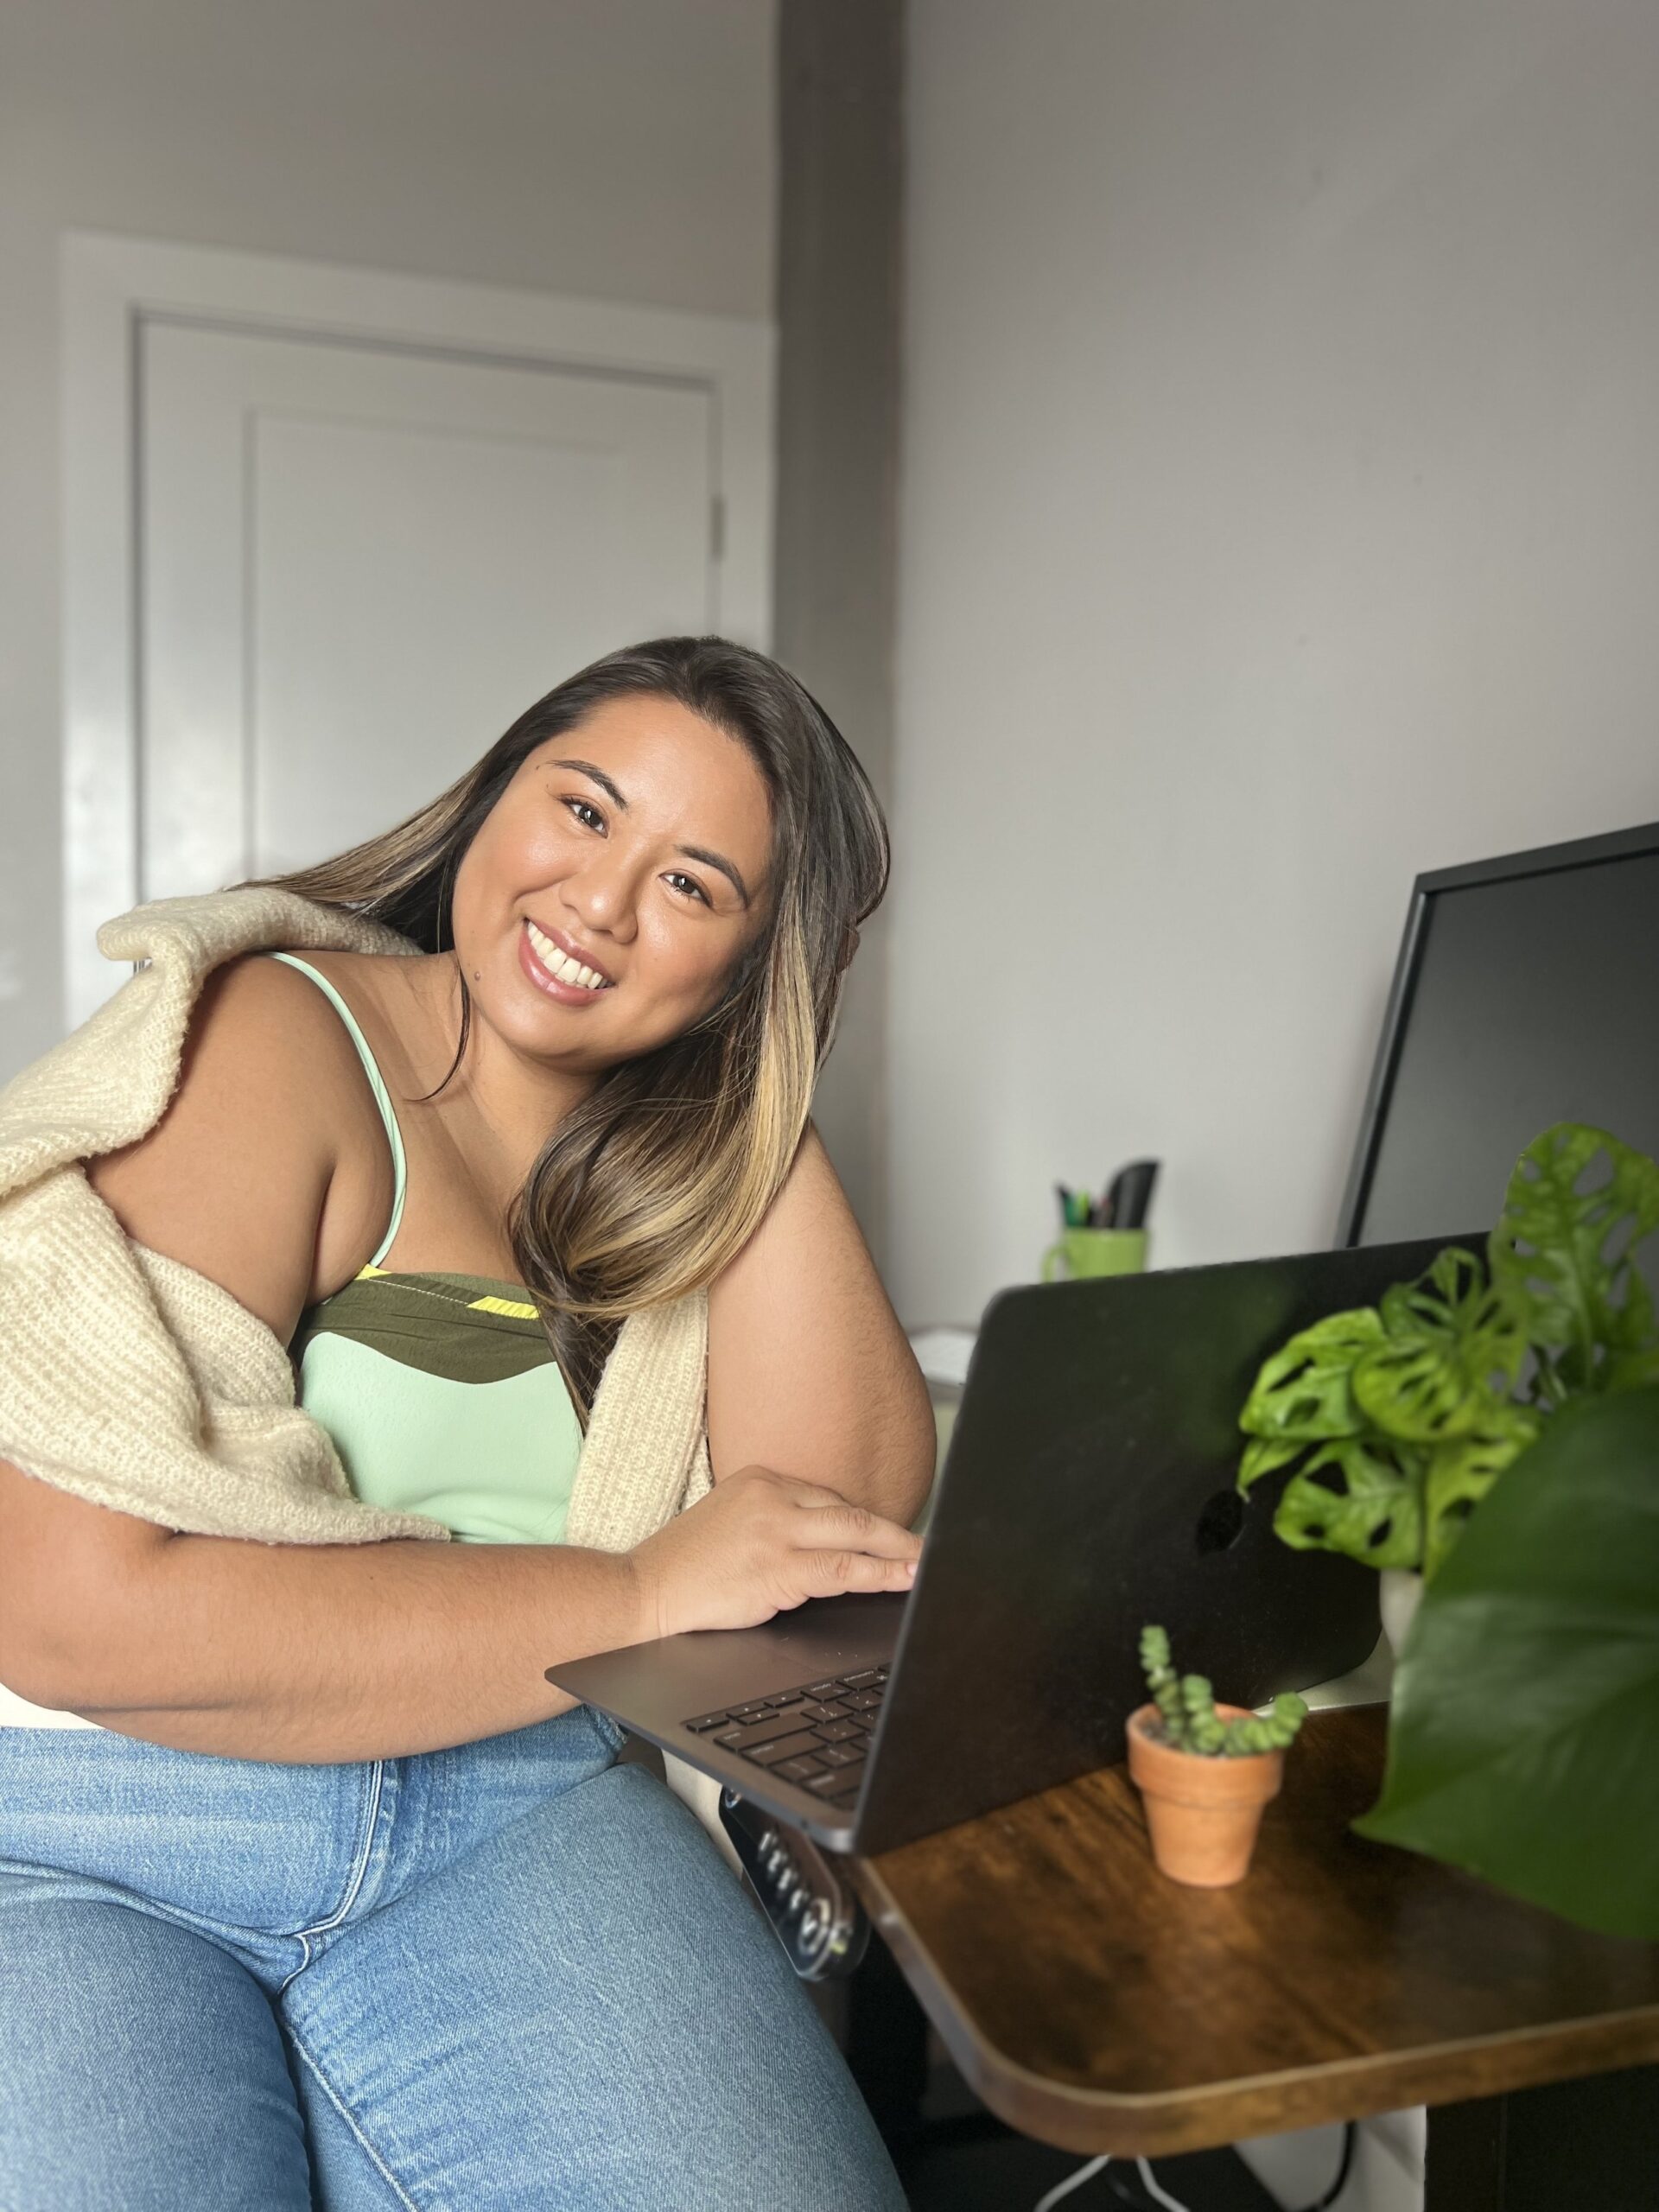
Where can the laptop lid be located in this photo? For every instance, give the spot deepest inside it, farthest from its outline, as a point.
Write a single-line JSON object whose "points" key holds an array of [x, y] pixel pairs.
{"points": [[1089, 1490]]}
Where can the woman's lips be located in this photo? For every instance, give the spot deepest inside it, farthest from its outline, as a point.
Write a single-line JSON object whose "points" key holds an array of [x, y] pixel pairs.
{"points": [[561, 947], [553, 987]]}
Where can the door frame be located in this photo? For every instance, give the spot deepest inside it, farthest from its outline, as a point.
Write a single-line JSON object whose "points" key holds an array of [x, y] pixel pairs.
{"points": [[111, 286]]}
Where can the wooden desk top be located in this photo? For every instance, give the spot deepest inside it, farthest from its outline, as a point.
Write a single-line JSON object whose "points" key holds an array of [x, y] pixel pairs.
{"points": [[1093, 2004]]}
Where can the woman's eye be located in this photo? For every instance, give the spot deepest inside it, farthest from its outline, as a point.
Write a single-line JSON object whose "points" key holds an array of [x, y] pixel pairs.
{"points": [[696, 888], [581, 806]]}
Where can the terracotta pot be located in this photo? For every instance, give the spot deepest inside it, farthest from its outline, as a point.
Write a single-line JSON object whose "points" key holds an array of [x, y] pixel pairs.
{"points": [[1202, 1813]]}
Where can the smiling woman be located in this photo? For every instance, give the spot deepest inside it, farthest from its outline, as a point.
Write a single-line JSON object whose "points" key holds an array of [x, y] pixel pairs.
{"points": [[684, 822], [376, 1904]]}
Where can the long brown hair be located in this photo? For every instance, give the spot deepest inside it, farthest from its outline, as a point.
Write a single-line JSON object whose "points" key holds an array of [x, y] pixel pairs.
{"points": [[650, 1187]]}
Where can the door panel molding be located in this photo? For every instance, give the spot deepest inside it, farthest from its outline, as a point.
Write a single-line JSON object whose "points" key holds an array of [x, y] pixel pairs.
{"points": [[113, 287]]}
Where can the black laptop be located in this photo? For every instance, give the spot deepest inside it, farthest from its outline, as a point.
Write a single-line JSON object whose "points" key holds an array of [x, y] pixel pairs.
{"points": [[1088, 1489]]}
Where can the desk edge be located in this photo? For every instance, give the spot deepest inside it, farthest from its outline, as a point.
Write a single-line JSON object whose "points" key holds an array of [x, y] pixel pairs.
{"points": [[1151, 2124]]}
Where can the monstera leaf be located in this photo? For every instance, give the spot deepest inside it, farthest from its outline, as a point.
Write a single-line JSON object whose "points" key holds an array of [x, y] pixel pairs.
{"points": [[1375, 1390], [1359, 1499], [1463, 1468], [1446, 1341], [1395, 1423], [1264, 1455], [1570, 1254], [1523, 1744], [1303, 1394]]}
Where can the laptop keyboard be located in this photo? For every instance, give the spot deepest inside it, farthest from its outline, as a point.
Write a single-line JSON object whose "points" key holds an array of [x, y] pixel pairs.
{"points": [[816, 1736]]}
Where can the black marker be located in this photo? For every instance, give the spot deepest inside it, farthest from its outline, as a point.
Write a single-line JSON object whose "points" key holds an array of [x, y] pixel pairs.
{"points": [[1130, 1196]]}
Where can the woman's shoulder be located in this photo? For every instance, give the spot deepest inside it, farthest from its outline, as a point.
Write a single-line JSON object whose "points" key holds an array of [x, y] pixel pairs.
{"points": [[256, 1013], [234, 1177], [266, 1044], [383, 996]]}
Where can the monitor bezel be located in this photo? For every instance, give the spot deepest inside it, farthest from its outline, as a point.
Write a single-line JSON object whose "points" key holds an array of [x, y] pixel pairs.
{"points": [[1542, 859]]}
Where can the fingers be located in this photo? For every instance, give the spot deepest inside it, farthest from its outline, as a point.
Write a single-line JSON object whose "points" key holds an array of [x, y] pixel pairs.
{"points": [[801, 1492], [829, 1574], [840, 1526], [841, 1523], [798, 1490]]}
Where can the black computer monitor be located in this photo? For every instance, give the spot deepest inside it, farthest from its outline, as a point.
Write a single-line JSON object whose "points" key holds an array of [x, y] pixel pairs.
{"points": [[1527, 992]]}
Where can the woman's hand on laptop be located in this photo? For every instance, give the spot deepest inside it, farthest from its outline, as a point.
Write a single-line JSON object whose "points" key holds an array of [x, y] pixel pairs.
{"points": [[760, 1543]]}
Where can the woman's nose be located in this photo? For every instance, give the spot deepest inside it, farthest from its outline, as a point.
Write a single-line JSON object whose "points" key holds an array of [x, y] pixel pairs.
{"points": [[605, 894]]}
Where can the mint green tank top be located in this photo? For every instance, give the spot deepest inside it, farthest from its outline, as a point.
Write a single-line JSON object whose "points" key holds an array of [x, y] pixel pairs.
{"points": [[439, 1391]]}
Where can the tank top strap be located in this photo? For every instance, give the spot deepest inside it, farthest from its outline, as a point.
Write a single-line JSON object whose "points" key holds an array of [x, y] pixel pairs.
{"points": [[376, 1084]]}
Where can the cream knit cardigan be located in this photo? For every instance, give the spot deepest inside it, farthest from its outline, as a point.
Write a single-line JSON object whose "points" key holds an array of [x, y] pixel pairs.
{"points": [[138, 1383]]}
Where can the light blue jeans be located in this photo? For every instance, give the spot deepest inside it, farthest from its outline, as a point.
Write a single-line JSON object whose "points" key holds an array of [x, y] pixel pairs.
{"points": [[511, 1975]]}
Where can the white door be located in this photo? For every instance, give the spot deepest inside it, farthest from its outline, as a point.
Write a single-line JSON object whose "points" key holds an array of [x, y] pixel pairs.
{"points": [[357, 562]]}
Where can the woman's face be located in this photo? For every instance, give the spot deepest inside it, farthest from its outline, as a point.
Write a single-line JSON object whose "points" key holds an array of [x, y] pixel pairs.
{"points": [[635, 849]]}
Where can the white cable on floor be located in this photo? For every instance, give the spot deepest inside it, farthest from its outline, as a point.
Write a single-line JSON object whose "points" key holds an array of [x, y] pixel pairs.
{"points": [[1072, 2181], [1158, 2195]]}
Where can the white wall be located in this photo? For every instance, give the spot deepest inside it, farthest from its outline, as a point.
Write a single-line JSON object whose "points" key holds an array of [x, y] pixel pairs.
{"points": [[1281, 517], [619, 148]]}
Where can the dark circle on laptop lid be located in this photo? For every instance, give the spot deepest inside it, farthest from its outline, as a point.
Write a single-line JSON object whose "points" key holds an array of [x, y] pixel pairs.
{"points": [[1222, 1522]]}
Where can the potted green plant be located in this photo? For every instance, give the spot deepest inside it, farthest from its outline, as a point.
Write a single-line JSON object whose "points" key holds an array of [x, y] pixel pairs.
{"points": [[1495, 1430], [1397, 1419], [1205, 1771]]}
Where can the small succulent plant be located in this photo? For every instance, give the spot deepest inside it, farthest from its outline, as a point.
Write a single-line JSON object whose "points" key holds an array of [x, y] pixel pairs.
{"points": [[1187, 1706]]}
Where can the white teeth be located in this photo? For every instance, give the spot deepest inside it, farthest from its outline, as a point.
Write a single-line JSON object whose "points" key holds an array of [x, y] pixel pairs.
{"points": [[560, 964]]}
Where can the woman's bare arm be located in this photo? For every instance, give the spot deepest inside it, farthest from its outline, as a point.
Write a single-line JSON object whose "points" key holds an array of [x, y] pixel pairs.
{"points": [[809, 1371], [293, 1652], [308, 1652], [296, 1652]]}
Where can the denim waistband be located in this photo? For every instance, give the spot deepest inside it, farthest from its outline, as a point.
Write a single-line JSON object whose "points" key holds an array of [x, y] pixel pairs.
{"points": [[272, 1859]]}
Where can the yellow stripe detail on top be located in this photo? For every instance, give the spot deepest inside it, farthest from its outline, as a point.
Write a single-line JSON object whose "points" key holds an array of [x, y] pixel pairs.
{"points": [[514, 1308]]}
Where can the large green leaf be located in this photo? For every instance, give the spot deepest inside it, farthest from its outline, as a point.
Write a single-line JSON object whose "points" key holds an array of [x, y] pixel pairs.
{"points": [[1302, 1394], [1570, 1253], [1524, 1739], [1357, 1497]]}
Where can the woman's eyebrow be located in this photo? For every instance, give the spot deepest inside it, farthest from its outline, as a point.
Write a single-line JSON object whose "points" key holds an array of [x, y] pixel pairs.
{"points": [[587, 768], [727, 869]]}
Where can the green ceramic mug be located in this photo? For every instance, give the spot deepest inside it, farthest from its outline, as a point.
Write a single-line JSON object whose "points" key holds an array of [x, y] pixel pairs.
{"points": [[1097, 1252]]}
